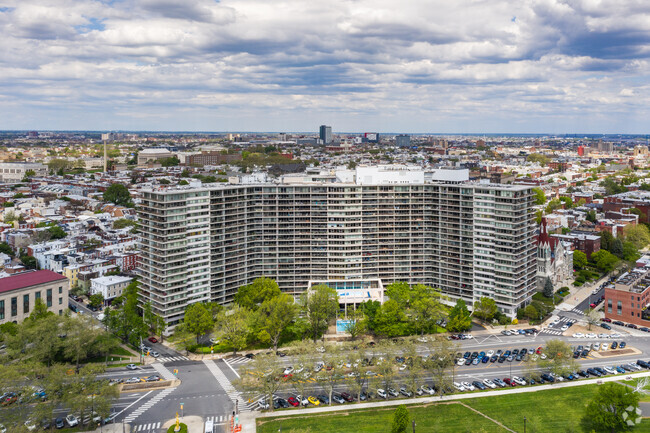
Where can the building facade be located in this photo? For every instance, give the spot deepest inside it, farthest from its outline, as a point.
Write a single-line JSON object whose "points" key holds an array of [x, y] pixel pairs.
{"points": [[12, 172], [109, 287], [628, 298], [469, 240], [18, 294], [325, 134], [554, 259]]}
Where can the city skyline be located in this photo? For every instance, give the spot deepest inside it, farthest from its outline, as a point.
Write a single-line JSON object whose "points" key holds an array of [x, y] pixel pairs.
{"points": [[497, 67]]}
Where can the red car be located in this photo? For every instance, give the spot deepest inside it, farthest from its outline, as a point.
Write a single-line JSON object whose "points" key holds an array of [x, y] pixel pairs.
{"points": [[539, 350], [605, 319], [509, 382], [293, 401], [153, 339]]}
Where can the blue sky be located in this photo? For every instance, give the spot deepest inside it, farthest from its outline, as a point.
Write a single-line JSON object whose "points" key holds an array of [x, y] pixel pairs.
{"points": [[546, 66]]}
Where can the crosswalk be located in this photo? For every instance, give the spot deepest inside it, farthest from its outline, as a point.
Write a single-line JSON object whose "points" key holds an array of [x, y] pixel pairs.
{"points": [[578, 311], [237, 360], [142, 409], [556, 329], [218, 419], [163, 371], [164, 359], [151, 427], [232, 393]]}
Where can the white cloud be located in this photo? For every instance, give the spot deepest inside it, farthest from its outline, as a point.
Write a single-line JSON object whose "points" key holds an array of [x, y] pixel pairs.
{"points": [[368, 64]]}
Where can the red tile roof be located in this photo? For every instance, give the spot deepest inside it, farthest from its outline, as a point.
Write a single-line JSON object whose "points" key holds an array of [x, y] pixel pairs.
{"points": [[28, 279]]}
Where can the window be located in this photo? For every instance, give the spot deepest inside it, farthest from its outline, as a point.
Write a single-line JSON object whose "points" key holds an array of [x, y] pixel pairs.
{"points": [[37, 295], [60, 301], [60, 312], [14, 307], [49, 297], [2, 310], [60, 289], [609, 306], [619, 308], [25, 304]]}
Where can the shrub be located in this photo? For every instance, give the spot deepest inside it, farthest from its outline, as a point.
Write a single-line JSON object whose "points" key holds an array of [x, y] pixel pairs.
{"points": [[182, 430]]}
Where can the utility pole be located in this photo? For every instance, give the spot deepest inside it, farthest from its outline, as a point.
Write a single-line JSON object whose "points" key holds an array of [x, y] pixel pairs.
{"points": [[413, 424]]}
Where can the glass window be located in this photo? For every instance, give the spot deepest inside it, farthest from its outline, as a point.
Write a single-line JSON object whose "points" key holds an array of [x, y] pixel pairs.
{"points": [[2, 310], [37, 295], [25, 304], [60, 289], [60, 301], [14, 307], [619, 308], [49, 297]]}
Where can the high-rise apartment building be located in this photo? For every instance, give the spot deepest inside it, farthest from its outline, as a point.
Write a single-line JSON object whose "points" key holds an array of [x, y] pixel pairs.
{"points": [[468, 239], [403, 140], [325, 134]]}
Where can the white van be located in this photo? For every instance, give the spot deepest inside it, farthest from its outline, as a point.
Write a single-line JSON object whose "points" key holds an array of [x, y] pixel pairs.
{"points": [[209, 426]]}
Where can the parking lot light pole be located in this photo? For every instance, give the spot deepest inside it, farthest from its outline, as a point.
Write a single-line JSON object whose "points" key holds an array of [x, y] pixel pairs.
{"points": [[524, 424], [413, 424]]}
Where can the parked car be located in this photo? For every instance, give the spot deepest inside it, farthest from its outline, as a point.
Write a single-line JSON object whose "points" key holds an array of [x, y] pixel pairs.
{"points": [[425, 389], [392, 392], [489, 383], [405, 392], [621, 345], [59, 423], [382, 393], [614, 345], [606, 326], [605, 319], [153, 339], [323, 399], [347, 397], [71, 420], [263, 404], [293, 401]]}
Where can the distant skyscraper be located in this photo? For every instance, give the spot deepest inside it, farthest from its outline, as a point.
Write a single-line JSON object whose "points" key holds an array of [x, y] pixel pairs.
{"points": [[326, 134], [403, 140]]}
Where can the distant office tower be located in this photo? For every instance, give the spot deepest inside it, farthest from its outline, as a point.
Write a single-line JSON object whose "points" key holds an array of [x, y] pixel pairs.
{"points": [[605, 146], [371, 137], [470, 240], [581, 151], [403, 140], [326, 134]]}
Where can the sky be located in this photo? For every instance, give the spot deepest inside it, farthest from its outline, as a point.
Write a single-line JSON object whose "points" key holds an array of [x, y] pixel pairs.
{"points": [[461, 66]]}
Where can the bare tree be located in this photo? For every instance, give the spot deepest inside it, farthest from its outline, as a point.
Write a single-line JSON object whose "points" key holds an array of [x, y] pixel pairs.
{"points": [[441, 362], [263, 376], [592, 317]]}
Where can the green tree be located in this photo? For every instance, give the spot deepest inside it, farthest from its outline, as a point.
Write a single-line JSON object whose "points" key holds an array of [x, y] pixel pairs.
{"points": [[399, 292], [579, 259], [606, 240], [123, 318], [29, 262], [539, 158], [96, 300], [604, 260], [118, 194], [591, 216], [253, 295], [320, 305], [612, 186], [568, 203], [611, 408], [552, 205], [637, 235], [559, 358], [6, 249], [531, 312], [262, 376], [630, 252], [273, 317], [459, 317], [233, 326], [123, 223], [485, 308], [617, 248], [58, 165], [172, 161], [400, 420], [197, 319], [356, 323], [56, 232], [540, 196], [391, 320], [426, 308], [548, 288]]}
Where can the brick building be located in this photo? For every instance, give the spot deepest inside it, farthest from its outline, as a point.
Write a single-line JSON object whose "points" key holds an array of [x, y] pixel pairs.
{"points": [[211, 158], [626, 300], [18, 294], [635, 199], [586, 243]]}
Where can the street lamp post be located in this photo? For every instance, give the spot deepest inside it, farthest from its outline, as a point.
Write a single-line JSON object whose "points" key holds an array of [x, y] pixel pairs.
{"points": [[413, 424], [524, 424]]}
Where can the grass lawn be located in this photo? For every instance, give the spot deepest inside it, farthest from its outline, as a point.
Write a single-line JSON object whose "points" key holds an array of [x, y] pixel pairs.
{"points": [[433, 418], [557, 410]]}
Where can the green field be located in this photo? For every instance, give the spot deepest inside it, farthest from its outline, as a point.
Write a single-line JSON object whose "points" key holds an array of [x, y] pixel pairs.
{"points": [[556, 411]]}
